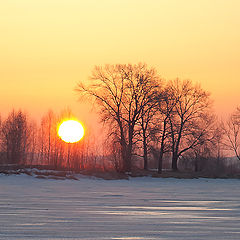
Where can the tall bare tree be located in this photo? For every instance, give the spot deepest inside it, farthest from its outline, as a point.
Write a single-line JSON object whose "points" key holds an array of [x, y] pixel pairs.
{"points": [[147, 119], [145, 123], [190, 118], [161, 131], [121, 92]]}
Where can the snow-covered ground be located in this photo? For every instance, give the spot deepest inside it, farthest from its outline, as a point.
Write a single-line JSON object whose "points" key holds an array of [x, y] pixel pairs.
{"points": [[139, 208]]}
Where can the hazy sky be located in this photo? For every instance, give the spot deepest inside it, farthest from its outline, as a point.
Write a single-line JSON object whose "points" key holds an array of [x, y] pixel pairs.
{"points": [[47, 46]]}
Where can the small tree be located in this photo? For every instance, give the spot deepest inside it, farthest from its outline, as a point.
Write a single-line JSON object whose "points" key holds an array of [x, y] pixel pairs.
{"points": [[47, 132], [32, 146], [232, 133]]}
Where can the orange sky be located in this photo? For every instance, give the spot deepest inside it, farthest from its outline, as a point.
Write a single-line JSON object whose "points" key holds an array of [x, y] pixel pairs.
{"points": [[47, 46]]}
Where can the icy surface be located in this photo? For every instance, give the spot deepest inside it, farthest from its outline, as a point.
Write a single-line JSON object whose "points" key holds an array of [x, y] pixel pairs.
{"points": [[140, 208]]}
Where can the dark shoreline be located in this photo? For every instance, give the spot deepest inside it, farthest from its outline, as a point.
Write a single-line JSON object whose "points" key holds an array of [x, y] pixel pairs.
{"points": [[46, 172]]}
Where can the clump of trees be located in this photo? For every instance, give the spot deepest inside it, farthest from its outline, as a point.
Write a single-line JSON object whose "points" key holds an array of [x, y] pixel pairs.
{"points": [[151, 123], [23, 142], [15, 137], [123, 94], [151, 120], [148, 114]]}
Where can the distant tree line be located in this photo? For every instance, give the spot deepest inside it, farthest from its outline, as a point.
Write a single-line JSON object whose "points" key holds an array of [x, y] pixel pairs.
{"points": [[23, 142], [151, 123]]}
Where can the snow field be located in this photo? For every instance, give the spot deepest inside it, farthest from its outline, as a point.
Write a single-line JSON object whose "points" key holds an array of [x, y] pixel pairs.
{"points": [[139, 208]]}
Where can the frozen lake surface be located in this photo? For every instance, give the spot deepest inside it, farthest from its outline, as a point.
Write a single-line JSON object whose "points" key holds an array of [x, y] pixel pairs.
{"points": [[139, 208]]}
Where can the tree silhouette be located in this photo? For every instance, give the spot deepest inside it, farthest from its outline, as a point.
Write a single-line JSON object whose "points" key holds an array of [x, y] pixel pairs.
{"points": [[190, 118], [160, 133], [15, 135], [232, 133], [121, 93]]}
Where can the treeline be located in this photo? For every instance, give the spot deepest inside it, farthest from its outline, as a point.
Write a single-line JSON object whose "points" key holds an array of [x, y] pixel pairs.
{"points": [[24, 142], [150, 123], [153, 121]]}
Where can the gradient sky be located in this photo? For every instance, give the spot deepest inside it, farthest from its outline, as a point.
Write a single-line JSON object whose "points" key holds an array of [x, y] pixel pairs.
{"points": [[47, 46]]}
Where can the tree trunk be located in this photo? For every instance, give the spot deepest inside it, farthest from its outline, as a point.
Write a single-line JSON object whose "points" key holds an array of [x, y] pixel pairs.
{"points": [[125, 158], [160, 160], [129, 159], [196, 164], [174, 162], [145, 153], [129, 148]]}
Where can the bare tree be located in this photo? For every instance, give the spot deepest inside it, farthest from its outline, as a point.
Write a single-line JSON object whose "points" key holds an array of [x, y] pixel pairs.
{"points": [[190, 118], [121, 93], [232, 133], [161, 131], [208, 147], [15, 137], [47, 130], [32, 146], [145, 121]]}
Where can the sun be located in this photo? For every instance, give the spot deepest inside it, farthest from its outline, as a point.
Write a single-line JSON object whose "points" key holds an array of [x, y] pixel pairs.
{"points": [[71, 131]]}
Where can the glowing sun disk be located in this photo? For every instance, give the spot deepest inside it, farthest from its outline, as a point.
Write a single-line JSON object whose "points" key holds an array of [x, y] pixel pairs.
{"points": [[71, 131]]}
